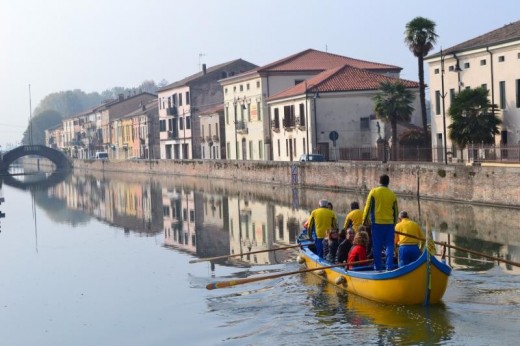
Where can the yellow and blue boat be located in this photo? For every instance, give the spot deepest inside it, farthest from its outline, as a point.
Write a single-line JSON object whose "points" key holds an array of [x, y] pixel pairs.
{"points": [[421, 282]]}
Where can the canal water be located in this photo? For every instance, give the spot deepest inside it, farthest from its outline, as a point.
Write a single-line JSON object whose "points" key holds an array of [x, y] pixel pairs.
{"points": [[103, 259]]}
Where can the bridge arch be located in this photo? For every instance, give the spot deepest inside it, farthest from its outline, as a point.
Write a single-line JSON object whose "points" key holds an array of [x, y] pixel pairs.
{"points": [[57, 157]]}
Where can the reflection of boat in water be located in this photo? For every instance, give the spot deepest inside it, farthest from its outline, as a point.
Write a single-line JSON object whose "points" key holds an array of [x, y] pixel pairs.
{"points": [[421, 282], [396, 324]]}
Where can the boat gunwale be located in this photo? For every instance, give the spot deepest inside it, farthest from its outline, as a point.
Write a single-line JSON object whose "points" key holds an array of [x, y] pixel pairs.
{"points": [[384, 275]]}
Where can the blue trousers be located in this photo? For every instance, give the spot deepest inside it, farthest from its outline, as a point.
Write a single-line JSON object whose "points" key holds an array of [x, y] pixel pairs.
{"points": [[318, 242], [383, 236], [408, 254]]}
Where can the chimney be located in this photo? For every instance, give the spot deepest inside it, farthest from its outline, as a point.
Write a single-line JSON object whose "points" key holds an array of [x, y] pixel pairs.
{"points": [[203, 68], [121, 97]]}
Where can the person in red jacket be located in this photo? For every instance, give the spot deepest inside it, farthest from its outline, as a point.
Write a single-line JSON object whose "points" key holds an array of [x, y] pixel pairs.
{"points": [[358, 252]]}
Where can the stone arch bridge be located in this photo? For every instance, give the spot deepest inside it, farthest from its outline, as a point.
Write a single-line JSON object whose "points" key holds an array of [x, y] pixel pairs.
{"points": [[57, 157]]}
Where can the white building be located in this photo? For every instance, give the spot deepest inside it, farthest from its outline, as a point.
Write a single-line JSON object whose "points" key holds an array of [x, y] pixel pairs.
{"points": [[491, 60], [334, 109], [248, 123]]}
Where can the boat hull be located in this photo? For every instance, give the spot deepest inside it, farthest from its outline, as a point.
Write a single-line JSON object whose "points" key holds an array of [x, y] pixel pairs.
{"points": [[421, 282]]}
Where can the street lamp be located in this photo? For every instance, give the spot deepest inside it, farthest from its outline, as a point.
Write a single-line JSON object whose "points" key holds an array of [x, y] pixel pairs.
{"points": [[443, 95]]}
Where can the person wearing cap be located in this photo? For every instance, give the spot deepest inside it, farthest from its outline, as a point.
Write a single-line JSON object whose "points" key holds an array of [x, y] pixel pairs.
{"points": [[409, 247], [382, 211], [320, 221], [354, 217]]}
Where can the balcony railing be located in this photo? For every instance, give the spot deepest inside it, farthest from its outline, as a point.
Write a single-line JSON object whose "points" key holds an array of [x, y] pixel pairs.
{"points": [[241, 127], [172, 111]]}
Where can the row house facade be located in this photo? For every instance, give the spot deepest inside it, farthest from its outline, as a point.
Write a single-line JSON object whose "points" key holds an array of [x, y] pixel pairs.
{"points": [[124, 128], [181, 103], [331, 110], [248, 120], [492, 61], [212, 133]]}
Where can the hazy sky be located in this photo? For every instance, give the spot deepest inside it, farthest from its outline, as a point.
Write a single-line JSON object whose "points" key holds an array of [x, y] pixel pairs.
{"points": [[94, 45]]}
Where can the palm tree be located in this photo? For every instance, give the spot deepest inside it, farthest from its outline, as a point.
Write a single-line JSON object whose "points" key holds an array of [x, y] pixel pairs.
{"points": [[393, 105], [420, 37], [472, 122]]}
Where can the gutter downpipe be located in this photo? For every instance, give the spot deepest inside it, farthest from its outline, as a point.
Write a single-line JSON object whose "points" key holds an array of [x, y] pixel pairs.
{"points": [[458, 69], [492, 81]]}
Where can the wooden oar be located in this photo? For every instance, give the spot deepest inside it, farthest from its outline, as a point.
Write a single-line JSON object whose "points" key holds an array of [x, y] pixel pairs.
{"points": [[223, 284], [466, 250], [242, 254]]}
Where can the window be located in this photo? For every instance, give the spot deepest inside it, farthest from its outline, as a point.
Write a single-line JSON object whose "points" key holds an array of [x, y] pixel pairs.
{"points": [[518, 93], [250, 150], [181, 123], [258, 84], [287, 147], [241, 87], [258, 113], [502, 91], [188, 123], [484, 86], [482, 62], [223, 74], [452, 95], [162, 125], [294, 147], [227, 115], [364, 123], [225, 90], [276, 120], [247, 86], [451, 68], [501, 58], [180, 99], [187, 97], [302, 114], [228, 150], [436, 71], [466, 65], [278, 148], [437, 102], [260, 150], [248, 112]]}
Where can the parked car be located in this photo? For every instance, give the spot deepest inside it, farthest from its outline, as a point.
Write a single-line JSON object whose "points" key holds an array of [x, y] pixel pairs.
{"points": [[101, 155], [312, 158]]}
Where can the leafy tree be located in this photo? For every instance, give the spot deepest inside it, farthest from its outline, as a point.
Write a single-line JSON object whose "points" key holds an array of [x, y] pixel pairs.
{"points": [[472, 122], [71, 102], [393, 105], [35, 133], [420, 36]]}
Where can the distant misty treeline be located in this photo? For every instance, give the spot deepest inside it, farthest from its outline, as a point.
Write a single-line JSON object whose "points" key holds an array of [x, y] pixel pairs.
{"points": [[61, 105]]}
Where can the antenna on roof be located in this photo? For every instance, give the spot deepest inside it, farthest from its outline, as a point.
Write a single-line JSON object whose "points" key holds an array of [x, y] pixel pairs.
{"points": [[200, 56], [326, 48]]}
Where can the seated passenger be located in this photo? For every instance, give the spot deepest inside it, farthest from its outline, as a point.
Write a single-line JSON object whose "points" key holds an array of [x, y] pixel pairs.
{"points": [[358, 251], [333, 243], [345, 245]]}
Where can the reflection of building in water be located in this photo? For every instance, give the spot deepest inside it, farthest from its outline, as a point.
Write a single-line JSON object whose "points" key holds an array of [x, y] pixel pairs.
{"points": [[130, 205], [212, 221], [179, 218], [196, 223], [288, 223], [252, 228]]}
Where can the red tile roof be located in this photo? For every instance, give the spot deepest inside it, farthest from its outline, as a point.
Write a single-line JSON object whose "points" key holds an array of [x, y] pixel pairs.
{"points": [[343, 78], [315, 60]]}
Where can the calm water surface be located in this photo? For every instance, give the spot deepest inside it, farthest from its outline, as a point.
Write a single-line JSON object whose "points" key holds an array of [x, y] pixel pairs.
{"points": [[103, 260]]}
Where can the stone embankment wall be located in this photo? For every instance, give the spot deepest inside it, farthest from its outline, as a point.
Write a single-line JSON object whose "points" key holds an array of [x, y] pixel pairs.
{"points": [[470, 184]]}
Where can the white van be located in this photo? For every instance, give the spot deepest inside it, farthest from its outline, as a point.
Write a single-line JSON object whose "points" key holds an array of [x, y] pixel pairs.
{"points": [[101, 155]]}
